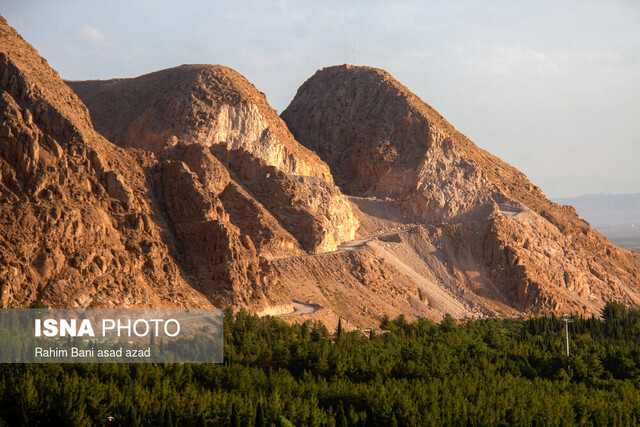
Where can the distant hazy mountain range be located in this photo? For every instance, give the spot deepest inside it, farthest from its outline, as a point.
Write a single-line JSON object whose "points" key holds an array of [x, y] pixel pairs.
{"points": [[606, 210], [617, 216]]}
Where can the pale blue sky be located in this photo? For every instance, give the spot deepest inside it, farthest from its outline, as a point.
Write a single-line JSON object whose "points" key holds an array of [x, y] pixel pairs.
{"points": [[551, 87]]}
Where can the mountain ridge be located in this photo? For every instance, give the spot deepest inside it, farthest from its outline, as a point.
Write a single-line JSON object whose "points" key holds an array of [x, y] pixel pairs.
{"points": [[360, 199]]}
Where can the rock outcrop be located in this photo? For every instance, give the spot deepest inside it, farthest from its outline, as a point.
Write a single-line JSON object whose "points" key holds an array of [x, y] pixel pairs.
{"points": [[281, 193], [381, 141]]}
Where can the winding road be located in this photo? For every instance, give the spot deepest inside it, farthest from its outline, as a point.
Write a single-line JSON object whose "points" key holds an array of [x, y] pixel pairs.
{"points": [[356, 244], [301, 308], [346, 246], [307, 308]]}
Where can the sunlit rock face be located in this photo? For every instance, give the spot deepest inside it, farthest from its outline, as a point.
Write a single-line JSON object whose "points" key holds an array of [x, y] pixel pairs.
{"points": [[214, 107]]}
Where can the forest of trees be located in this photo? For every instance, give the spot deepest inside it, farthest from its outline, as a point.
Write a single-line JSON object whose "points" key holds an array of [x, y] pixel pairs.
{"points": [[481, 372]]}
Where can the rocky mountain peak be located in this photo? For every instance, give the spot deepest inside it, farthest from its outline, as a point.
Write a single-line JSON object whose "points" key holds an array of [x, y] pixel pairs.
{"points": [[215, 108], [383, 143], [370, 126], [28, 79], [196, 104]]}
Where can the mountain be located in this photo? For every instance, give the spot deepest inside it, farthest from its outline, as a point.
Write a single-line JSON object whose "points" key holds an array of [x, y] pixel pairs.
{"points": [[617, 216], [85, 223], [606, 210], [278, 192], [485, 234], [359, 201]]}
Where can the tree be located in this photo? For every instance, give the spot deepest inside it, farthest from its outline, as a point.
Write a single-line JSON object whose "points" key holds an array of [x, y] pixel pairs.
{"points": [[260, 422], [384, 323], [39, 305], [448, 323], [339, 330], [234, 421], [202, 421], [283, 422], [341, 418], [168, 419]]}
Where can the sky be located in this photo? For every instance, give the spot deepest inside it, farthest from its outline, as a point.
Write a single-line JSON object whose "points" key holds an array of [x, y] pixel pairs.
{"points": [[551, 87]]}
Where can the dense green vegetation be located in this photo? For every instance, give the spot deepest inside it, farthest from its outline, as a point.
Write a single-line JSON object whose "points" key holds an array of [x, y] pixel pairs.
{"points": [[483, 372]]}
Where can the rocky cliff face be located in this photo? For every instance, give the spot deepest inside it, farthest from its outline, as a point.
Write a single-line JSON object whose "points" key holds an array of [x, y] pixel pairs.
{"points": [[289, 188], [86, 223], [381, 141]]}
